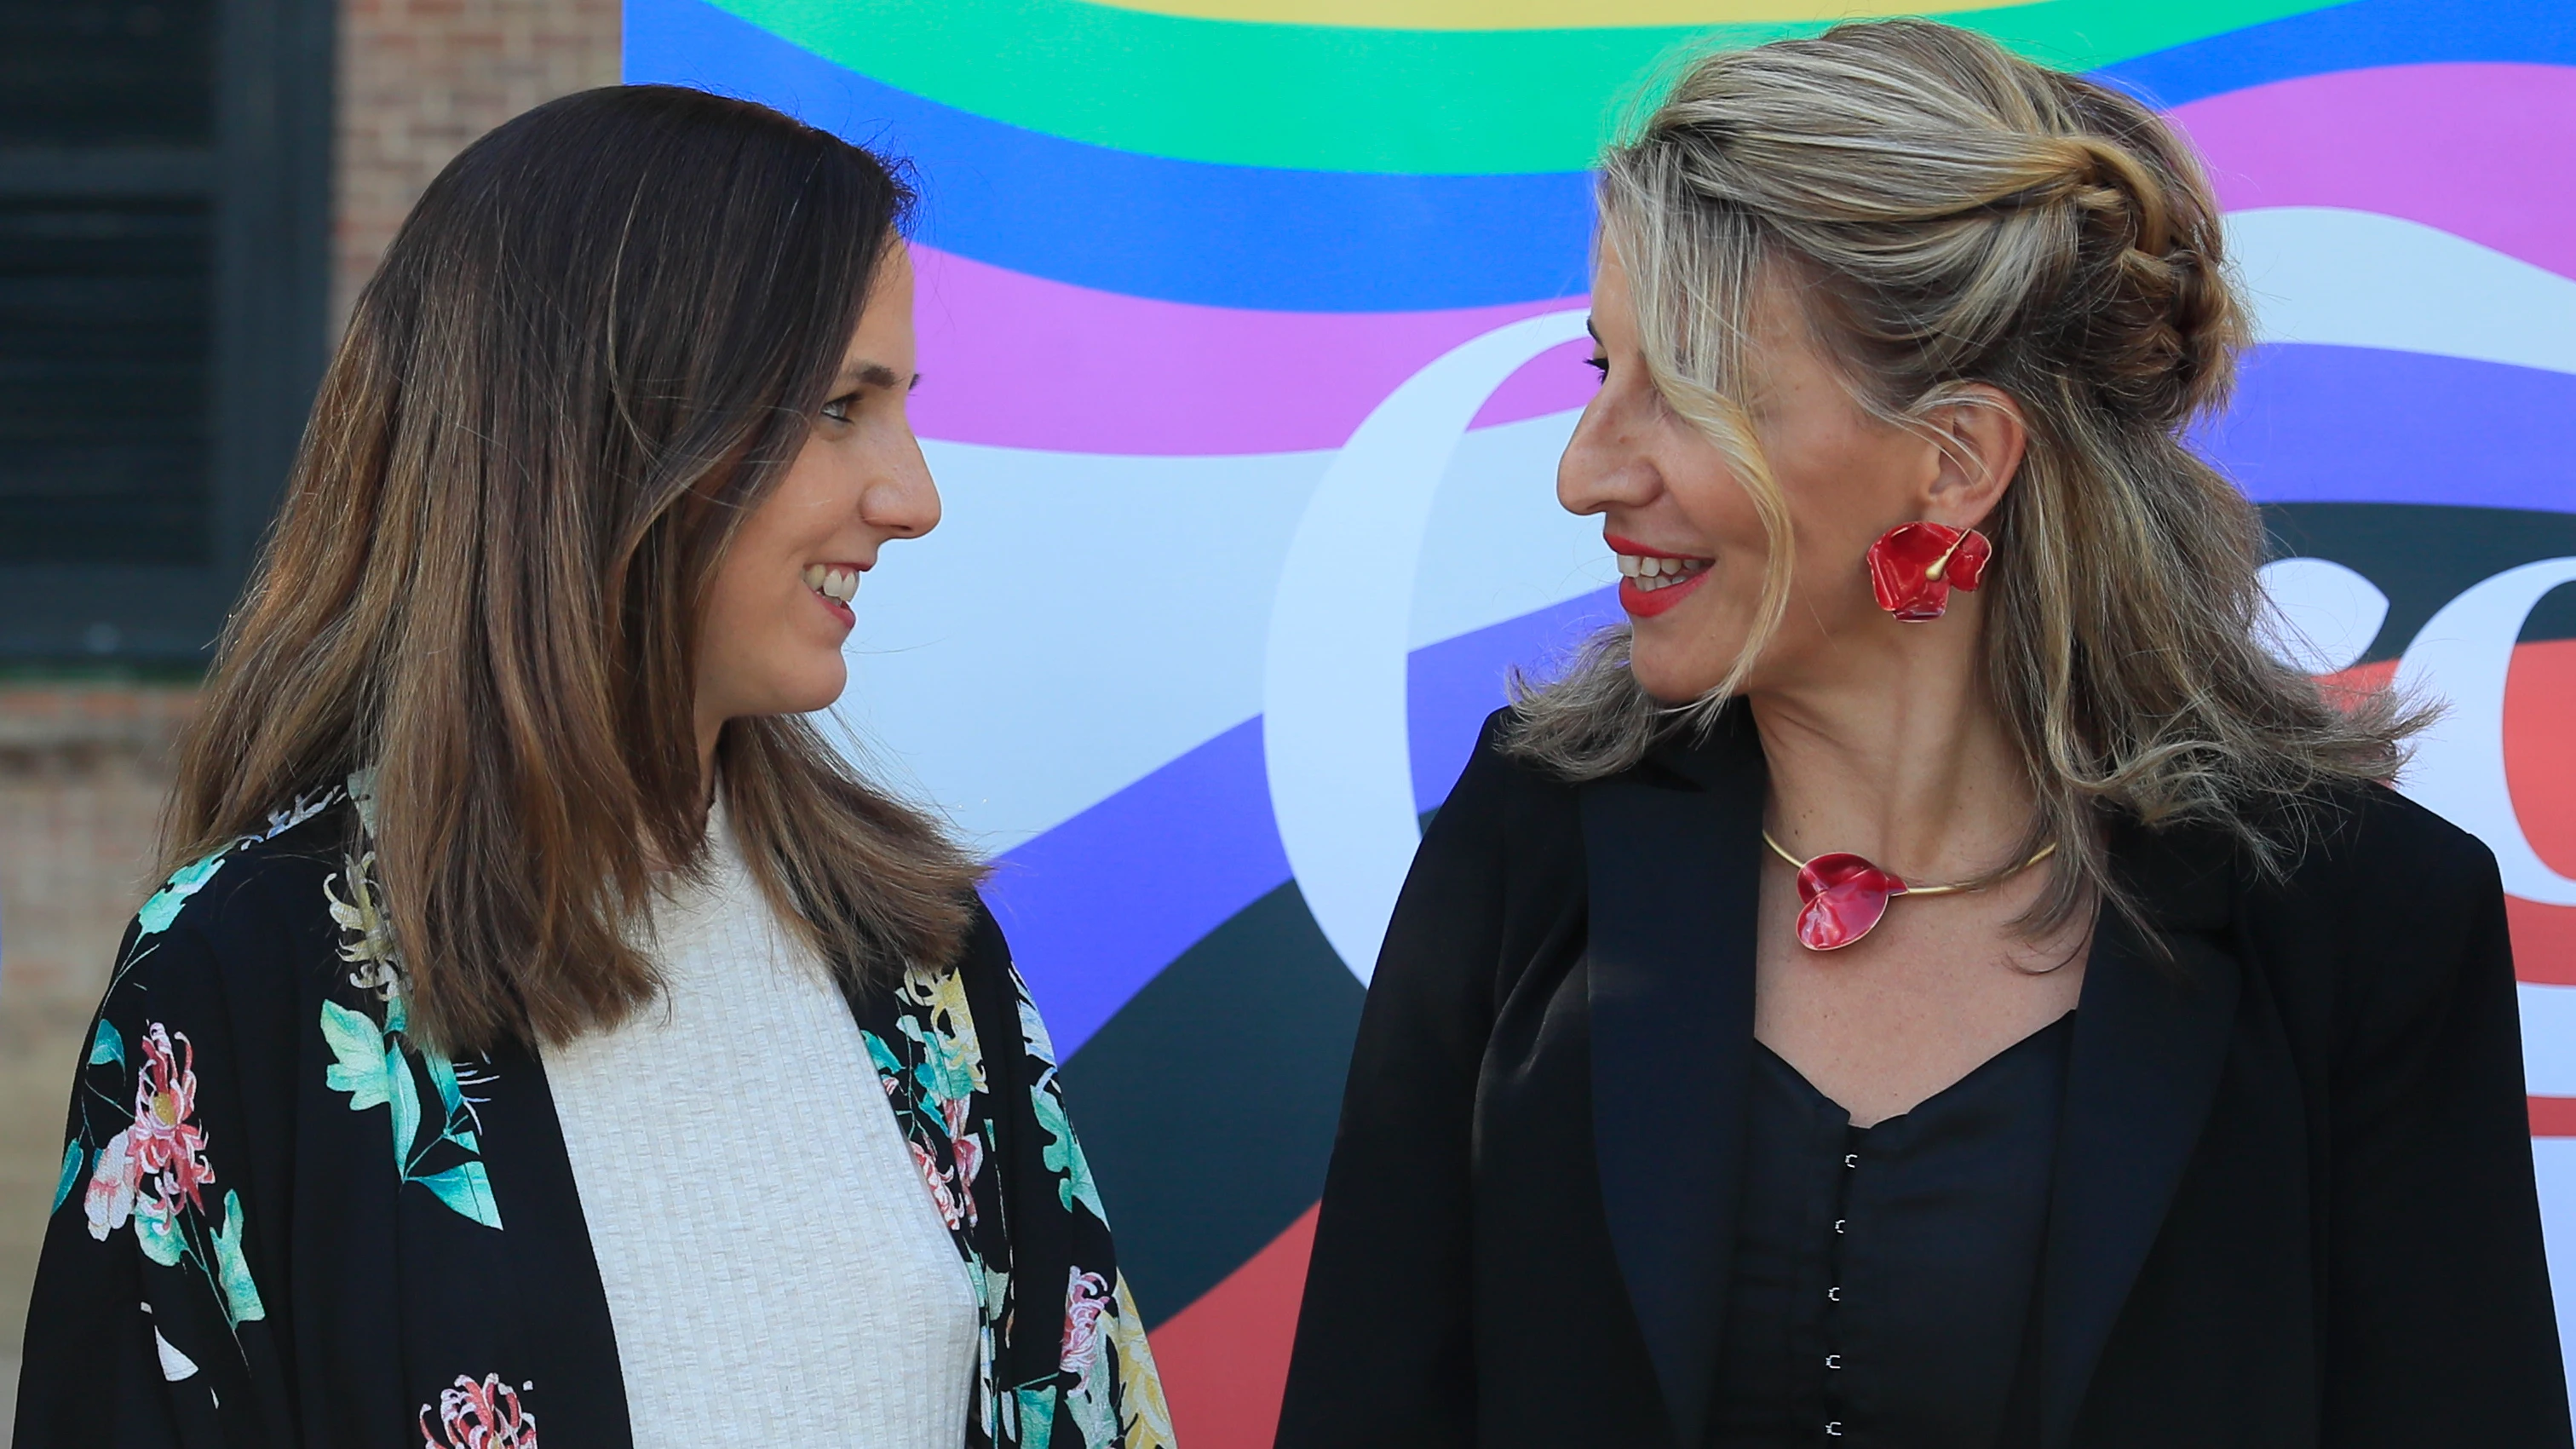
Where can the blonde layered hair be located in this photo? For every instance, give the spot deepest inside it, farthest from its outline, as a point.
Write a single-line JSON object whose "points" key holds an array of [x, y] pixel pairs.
{"points": [[1948, 214]]}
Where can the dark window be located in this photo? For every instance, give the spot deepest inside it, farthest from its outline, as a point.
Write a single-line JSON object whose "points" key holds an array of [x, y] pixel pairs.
{"points": [[164, 176], [104, 342]]}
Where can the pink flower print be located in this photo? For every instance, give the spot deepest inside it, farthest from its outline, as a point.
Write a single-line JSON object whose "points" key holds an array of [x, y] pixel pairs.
{"points": [[166, 1143], [110, 1199], [1085, 1294], [942, 1190], [480, 1416], [966, 1147]]}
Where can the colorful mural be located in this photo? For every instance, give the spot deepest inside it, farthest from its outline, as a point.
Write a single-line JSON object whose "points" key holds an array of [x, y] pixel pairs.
{"points": [[1247, 340]]}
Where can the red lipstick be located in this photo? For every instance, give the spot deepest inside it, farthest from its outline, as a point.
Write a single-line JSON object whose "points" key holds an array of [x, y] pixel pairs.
{"points": [[1647, 603]]}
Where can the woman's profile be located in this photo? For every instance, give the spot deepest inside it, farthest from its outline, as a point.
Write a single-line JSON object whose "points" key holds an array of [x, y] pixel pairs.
{"points": [[1930, 978], [542, 1024]]}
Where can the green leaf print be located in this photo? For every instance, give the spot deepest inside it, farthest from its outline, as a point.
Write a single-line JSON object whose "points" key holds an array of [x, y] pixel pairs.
{"points": [[406, 1102], [360, 1047], [1033, 1029], [886, 1062], [232, 1271], [156, 1227], [442, 1075], [107, 1046], [1063, 1156], [946, 1072], [1037, 1416], [1094, 1406], [467, 1188], [163, 908], [70, 1178]]}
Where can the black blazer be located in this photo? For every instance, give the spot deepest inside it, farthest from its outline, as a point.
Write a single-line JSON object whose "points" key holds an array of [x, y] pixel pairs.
{"points": [[2293, 1200]]}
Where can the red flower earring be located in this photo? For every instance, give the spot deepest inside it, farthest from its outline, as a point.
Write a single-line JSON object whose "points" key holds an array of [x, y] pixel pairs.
{"points": [[1913, 567]]}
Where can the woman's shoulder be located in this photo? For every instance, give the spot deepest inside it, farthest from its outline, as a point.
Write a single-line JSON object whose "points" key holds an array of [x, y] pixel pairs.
{"points": [[2388, 912], [1506, 787], [252, 911], [2374, 851]]}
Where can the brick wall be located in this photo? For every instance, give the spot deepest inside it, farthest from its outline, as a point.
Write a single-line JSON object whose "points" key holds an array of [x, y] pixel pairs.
{"points": [[420, 78], [82, 772]]}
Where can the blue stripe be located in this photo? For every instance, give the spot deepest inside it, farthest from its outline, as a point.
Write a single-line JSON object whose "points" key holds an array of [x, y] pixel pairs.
{"points": [[2358, 36], [1182, 231]]}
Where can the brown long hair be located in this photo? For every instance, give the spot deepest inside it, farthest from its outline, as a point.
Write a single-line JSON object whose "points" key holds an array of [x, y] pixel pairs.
{"points": [[593, 348], [1951, 214]]}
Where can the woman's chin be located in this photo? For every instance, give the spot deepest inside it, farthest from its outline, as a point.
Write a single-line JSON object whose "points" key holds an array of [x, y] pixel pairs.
{"points": [[1674, 681]]}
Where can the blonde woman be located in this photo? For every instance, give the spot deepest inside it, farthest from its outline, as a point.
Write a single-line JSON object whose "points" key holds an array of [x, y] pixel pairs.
{"points": [[543, 1026], [1929, 979]]}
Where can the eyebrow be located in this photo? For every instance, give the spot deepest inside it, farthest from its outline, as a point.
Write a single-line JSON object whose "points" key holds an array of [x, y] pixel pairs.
{"points": [[877, 374], [1591, 331]]}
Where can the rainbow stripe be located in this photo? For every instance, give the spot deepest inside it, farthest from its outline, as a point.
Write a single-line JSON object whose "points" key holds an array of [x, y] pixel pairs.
{"points": [[1174, 251]]}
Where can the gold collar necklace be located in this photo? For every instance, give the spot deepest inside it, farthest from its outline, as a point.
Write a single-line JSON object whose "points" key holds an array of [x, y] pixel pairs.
{"points": [[1842, 897]]}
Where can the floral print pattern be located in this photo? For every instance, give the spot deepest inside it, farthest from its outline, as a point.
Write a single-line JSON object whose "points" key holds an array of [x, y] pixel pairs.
{"points": [[154, 1174], [377, 1064], [181, 1107], [479, 1416], [1096, 1386]]}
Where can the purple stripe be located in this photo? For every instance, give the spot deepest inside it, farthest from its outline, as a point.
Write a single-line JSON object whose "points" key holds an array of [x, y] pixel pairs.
{"points": [[1454, 684], [2356, 425], [1020, 361], [1098, 905]]}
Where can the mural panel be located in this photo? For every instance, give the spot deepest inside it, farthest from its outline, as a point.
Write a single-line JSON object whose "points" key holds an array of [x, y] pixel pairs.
{"points": [[1247, 329]]}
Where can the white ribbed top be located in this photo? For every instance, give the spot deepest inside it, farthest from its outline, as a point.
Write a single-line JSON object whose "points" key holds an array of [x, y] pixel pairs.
{"points": [[775, 1267]]}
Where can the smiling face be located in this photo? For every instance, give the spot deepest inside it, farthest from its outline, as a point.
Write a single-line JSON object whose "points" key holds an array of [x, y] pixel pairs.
{"points": [[1692, 551], [778, 608]]}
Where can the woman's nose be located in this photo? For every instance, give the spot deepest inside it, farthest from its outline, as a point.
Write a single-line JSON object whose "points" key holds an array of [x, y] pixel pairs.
{"points": [[1602, 469], [905, 502]]}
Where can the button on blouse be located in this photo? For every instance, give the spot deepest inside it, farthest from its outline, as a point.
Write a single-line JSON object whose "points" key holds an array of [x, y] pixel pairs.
{"points": [[1882, 1274]]}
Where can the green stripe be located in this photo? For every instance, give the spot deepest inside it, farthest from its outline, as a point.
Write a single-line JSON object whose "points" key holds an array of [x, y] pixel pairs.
{"points": [[1409, 102]]}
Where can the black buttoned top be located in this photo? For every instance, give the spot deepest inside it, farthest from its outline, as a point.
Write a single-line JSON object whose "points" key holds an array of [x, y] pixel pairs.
{"points": [[1883, 1275]]}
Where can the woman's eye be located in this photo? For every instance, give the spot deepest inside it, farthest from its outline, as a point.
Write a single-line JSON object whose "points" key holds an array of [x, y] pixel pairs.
{"points": [[839, 408], [1600, 365]]}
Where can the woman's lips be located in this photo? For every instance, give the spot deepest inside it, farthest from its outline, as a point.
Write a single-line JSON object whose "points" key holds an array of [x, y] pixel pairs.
{"points": [[1652, 580], [1647, 603]]}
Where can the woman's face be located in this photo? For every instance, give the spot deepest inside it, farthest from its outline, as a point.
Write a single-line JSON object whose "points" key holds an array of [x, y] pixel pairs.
{"points": [[778, 610], [1670, 501]]}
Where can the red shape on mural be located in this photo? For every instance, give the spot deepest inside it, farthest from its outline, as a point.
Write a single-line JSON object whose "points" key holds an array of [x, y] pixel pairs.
{"points": [[1225, 1357], [2540, 698]]}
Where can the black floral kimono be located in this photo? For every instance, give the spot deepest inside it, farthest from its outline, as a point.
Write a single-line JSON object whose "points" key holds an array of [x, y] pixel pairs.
{"points": [[282, 1221]]}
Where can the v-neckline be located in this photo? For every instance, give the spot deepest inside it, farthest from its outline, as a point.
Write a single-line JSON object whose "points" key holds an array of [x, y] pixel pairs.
{"points": [[2065, 1022]]}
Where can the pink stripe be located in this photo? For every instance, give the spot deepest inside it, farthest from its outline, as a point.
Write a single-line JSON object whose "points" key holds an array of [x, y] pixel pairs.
{"points": [[2481, 151], [1023, 362], [1019, 361]]}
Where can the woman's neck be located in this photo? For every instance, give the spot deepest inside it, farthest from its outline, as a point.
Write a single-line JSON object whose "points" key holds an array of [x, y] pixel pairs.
{"points": [[1906, 763]]}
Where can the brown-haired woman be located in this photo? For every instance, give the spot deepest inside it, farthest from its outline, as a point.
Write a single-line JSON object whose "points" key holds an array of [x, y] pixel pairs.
{"points": [[1930, 980], [541, 1021]]}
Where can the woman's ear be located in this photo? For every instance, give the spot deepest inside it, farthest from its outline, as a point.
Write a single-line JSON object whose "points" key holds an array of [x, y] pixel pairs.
{"points": [[1981, 436]]}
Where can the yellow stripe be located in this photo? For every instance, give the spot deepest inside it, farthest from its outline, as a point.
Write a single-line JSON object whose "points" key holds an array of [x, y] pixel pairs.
{"points": [[1542, 14]]}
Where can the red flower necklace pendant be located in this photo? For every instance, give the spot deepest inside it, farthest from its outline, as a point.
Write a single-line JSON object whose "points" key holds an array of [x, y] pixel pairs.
{"points": [[1842, 897], [1913, 567]]}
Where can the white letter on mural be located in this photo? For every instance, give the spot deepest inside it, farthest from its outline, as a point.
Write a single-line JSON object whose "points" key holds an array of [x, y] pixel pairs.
{"points": [[1333, 696]]}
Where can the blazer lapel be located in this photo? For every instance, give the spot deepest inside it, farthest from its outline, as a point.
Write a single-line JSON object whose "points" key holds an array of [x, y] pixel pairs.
{"points": [[2150, 1039], [1674, 870]]}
